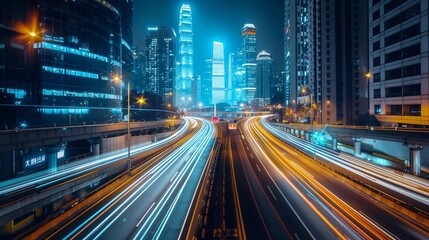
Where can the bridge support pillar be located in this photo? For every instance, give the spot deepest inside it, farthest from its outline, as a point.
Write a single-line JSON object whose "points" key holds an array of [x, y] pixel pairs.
{"points": [[415, 166], [357, 146], [334, 143], [51, 157], [95, 146]]}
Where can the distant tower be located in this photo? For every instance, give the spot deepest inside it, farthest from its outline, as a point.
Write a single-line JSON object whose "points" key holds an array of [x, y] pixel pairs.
{"points": [[206, 83], [160, 64], [248, 32], [186, 54], [218, 74], [263, 78]]}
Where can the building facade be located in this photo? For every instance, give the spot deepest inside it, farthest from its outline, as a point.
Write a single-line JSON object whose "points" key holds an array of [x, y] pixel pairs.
{"points": [[186, 54], [218, 74], [296, 49], [399, 80], [338, 62], [264, 72], [59, 60], [206, 83], [160, 62]]}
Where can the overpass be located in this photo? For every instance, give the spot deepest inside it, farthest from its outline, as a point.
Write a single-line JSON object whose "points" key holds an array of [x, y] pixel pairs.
{"points": [[27, 150], [36, 137], [226, 115], [414, 138]]}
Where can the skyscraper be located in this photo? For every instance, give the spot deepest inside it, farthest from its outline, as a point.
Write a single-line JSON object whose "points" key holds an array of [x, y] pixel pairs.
{"points": [[248, 33], [186, 54], [263, 78], [62, 73], [160, 62], [338, 61], [218, 74], [206, 83], [296, 48]]}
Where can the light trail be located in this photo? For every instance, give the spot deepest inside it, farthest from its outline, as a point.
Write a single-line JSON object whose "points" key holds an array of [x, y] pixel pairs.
{"points": [[45, 178], [412, 187], [160, 212], [330, 201]]}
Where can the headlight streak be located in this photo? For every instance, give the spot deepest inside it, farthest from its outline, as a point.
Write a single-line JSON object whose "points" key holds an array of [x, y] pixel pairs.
{"points": [[315, 184], [91, 164], [365, 169], [206, 132], [255, 144], [170, 160]]}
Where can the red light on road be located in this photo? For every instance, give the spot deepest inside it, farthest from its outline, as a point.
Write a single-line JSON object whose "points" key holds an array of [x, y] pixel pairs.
{"points": [[215, 119]]}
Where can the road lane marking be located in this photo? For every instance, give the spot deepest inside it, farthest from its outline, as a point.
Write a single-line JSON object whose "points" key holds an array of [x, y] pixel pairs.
{"points": [[268, 186], [258, 167], [173, 177], [145, 214]]}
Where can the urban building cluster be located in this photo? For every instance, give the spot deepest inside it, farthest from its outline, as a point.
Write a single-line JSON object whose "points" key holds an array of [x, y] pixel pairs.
{"points": [[357, 62], [345, 62]]}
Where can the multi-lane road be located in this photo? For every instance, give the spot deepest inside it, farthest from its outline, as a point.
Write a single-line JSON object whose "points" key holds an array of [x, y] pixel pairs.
{"points": [[292, 189], [256, 182]]}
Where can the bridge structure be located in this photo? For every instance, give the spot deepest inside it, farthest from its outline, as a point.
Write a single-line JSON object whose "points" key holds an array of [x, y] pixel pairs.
{"points": [[415, 138], [226, 115], [27, 150]]}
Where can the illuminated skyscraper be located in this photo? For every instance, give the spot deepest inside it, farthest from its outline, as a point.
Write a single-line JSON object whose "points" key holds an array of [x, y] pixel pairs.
{"points": [[62, 73], [160, 64], [186, 53], [248, 32], [218, 74], [296, 49], [263, 78]]}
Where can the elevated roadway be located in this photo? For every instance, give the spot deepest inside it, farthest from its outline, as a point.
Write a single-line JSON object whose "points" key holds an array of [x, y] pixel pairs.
{"points": [[24, 138]]}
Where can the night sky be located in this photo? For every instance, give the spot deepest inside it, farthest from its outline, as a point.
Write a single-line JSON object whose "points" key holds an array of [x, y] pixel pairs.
{"points": [[216, 20]]}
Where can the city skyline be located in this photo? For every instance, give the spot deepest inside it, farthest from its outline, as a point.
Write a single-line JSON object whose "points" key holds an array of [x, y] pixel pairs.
{"points": [[208, 27]]}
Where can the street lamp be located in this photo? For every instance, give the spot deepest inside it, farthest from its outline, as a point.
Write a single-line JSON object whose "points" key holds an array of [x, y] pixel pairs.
{"points": [[368, 78], [311, 108], [118, 79]]}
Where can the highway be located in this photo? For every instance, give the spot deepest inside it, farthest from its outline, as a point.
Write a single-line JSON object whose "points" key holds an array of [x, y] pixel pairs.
{"points": [[311, 199], [155, 202], [17, 187]]}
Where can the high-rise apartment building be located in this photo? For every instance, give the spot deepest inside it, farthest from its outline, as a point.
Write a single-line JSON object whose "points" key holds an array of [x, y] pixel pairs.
{"points": [[218, 73], [186, 54], [59, 59], [263, 78], [296, 49], [338, 46], [398, 57], [160, 62]]}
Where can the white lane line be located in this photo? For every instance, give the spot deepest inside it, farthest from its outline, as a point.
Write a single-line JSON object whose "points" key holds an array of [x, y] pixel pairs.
{"points": [[251, 155], [145, 214], [268, 186], [173, 177], [258, 167]]}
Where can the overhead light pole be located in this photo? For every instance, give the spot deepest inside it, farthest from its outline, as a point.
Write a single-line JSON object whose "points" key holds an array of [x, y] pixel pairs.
{"points": [[118, 79]]}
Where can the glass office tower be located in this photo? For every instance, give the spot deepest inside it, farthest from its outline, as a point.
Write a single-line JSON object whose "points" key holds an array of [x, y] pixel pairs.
{"points": [[218, 74], [61, 59], [186, 54]]}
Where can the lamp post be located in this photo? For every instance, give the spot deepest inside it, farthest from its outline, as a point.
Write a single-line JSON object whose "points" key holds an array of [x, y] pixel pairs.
{"points": [[368, 78], [117, 79], [311, 108]]}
